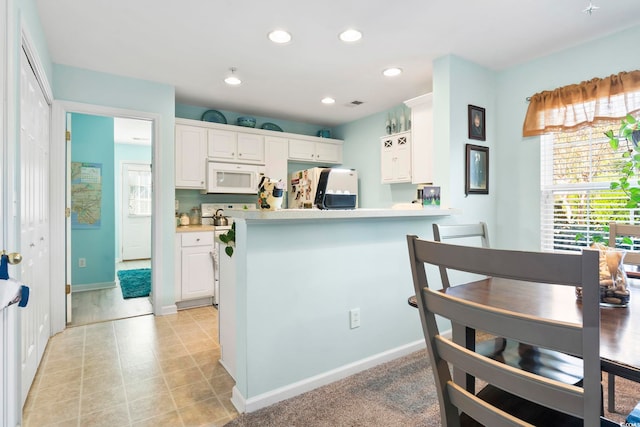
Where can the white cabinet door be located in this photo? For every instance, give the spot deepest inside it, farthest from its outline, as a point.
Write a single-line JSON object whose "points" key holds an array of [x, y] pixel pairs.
{"points": [[221, 144], [276, 153], [395, 158], [196, 265], [316, 152], [302, 150], [387, 159], [328, 153], [422, 139], [191, 153], [250, 147]]}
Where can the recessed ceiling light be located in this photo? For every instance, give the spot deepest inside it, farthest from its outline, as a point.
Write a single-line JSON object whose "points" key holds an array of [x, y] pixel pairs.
{"points": [[328, 100], [350, 35], [279, 36], [392, 72], [232, 79]]}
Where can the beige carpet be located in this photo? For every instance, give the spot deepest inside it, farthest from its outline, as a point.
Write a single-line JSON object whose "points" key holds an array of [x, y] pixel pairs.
{"points": [[397, 393]]}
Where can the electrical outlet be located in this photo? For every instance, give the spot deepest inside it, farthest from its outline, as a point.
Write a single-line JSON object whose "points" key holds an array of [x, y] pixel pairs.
{"points": [[354, 318], [82, 262]]}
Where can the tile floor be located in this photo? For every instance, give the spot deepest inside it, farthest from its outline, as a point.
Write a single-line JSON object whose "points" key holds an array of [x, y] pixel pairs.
{"points": [[141, 371], [108, 304]]}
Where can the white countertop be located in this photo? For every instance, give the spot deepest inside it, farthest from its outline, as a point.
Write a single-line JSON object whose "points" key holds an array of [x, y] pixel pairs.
{"points": [[303, 214]]}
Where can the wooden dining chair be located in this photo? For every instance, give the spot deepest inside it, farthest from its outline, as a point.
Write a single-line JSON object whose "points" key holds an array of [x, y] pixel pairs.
{"points": [[472, 233], [552, 364], [512, 396], [631, 258]]}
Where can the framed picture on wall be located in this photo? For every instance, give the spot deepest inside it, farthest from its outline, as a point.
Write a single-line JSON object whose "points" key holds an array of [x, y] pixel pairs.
{"points": [[477, 123], [476, 170]]}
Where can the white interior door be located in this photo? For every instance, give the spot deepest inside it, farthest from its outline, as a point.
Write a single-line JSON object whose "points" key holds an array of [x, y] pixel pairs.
{"points": [[34, 221], [136, 211], [67, 221]]}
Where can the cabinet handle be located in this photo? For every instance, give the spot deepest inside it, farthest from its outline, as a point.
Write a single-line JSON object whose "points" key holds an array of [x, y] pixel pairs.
{"points": [[198, 239], [239, 154]]}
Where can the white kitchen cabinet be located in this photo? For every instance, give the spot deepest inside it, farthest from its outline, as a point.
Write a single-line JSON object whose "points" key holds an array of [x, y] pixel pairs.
{"points": [[221, 144], [195, 264], [422, 157], [275, 158], [395, 158], [191, 152], [235, 146], [315, 151]]}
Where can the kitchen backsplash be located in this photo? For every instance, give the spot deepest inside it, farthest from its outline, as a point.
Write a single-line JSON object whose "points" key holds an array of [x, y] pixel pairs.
{"points": [[190, 198]]}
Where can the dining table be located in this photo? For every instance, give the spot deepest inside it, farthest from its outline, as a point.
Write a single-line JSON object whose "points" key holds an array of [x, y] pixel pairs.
{"points": [[619, 326]]}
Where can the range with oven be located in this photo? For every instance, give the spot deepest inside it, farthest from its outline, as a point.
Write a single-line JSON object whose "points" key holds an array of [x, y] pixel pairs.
{"points": [[209, 211]]}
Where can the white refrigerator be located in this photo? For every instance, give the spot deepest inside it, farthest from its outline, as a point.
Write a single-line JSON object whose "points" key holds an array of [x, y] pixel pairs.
{"points": [[302, 188]]}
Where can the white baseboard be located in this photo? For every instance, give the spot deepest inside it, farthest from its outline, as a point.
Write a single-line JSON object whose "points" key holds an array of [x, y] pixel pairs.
{"points": [[198, 302], [166, 309], [92, 286], [266, 399]]}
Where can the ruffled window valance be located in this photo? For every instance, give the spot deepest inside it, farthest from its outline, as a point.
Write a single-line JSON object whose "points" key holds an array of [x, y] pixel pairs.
{"points": [[570, 107]]}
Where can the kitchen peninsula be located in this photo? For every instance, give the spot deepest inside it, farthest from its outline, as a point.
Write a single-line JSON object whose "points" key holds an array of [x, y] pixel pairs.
{"points": [[291, 290]]}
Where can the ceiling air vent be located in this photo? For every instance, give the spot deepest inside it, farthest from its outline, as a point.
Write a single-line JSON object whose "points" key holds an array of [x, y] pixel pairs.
{"points": [[355, 103]]}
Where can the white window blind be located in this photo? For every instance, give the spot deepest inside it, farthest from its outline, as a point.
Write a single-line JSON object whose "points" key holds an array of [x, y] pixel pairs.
{"points": [[577, 204]]}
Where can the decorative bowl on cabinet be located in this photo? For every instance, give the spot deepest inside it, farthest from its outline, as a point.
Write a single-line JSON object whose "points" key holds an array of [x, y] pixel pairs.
{"points": [[249, 122]]}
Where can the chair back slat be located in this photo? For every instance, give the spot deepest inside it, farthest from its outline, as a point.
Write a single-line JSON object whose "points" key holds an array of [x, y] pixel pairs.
{"points": [[553, 335], [480, 411], [579, 339], [459, 231], [625, 230]]}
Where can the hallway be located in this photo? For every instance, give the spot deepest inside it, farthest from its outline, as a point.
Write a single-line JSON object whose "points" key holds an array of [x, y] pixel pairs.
{"points": [[140, 371], [108, 304]]}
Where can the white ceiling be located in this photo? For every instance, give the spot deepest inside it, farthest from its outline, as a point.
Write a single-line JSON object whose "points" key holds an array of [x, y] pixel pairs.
{"points": [[191, 44], [132, 131]]}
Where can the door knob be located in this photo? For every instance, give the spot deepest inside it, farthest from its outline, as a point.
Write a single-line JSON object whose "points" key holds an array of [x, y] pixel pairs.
{"points": [[13, 257]]}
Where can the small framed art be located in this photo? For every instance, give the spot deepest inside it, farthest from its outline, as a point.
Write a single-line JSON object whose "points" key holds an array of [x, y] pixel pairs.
{"points": [[477, 123], [476, 170]]}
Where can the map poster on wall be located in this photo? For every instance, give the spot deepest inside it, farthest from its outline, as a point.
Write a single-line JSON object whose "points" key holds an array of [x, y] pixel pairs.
{"points": [[86, 195]]}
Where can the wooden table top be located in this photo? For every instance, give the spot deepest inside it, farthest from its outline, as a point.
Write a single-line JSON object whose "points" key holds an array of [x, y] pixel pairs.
{"points": [[619, 327]]}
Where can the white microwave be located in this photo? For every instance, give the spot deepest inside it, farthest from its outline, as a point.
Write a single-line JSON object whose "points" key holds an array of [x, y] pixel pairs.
{"points": [[235, 178]]}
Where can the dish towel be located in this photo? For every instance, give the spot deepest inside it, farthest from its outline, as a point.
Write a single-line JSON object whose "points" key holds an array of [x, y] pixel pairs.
{"points": [[11, 291], [634, 417]]}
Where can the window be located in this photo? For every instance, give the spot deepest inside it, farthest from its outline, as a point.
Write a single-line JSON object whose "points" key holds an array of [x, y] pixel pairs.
{"points": [[139, 192], [577, 204]]}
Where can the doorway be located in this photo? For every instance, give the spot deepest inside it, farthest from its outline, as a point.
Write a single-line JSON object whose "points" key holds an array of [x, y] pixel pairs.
{"points": [[115, 152]]}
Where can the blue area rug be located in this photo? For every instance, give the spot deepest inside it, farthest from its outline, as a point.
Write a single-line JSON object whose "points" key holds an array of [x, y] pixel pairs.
{"points": [[135, 283]]}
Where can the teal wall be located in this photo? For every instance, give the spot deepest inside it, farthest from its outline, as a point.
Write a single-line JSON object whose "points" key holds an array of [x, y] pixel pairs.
{"points": [[26, 11], [518, 159], [362, 152], [125, 153], [92, 142], [90, 87], [192, 112]]}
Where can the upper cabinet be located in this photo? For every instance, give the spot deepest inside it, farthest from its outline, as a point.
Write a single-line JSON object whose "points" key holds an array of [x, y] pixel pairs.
{"points": [[227, 145], [191, 153], [276, 153], [421, 138], [197, 142], [395, 158], [310, 151]]}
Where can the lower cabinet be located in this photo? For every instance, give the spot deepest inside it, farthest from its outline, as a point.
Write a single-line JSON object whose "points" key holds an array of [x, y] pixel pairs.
{"points": [[194, 266]]}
